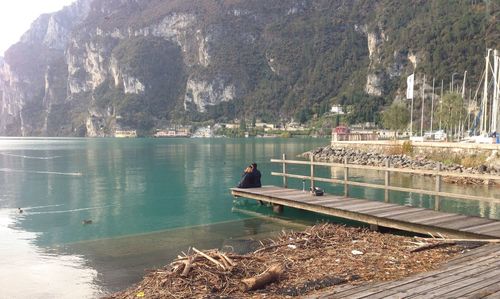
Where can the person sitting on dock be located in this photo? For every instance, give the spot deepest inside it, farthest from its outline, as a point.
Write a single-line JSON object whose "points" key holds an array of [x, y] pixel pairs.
{"points": [[251, 177]]}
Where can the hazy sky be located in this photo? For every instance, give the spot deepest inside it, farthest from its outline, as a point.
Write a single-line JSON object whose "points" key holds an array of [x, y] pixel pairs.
{"points": [[16, 17]]}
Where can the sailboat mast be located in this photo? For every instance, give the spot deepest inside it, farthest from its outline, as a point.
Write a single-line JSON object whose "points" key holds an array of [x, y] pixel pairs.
{"points": [[441, 104], [484, 123], [494, 112]]}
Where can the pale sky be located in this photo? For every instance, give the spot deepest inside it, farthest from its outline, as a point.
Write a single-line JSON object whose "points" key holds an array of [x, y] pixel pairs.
{"points": [[16, 17]]}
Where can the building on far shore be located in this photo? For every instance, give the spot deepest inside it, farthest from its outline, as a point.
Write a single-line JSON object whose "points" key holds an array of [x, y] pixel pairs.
{"points": [[294, 127], [343, 133], [389, 134], [125, 133], [266, 126], [337, 109], [181, 132]]}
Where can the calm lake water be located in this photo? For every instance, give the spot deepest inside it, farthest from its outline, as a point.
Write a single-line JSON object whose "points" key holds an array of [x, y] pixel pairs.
{"points": [[148, 199]]}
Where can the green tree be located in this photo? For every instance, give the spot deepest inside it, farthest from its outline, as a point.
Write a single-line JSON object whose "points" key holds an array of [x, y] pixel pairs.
{"points": [[452, 111], [396, 117], [243, 125]]}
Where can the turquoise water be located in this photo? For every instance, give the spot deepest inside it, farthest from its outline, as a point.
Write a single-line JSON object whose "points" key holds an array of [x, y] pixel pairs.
{"points": [[136, 192], [149, 199], [128, 186]]}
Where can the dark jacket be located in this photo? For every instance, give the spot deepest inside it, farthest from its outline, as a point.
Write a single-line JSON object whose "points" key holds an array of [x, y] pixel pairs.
{"points": [[251, 180]]}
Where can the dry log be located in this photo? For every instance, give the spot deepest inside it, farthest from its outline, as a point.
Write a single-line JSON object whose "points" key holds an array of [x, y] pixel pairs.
{"points": [[463, 240], [280, 245], [433, 245], [209, 258], [257, 282], [187, 266], [231, 262]]}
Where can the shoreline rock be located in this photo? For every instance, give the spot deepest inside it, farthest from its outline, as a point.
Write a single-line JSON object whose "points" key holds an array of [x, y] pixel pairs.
{"points": [[335, 154]]}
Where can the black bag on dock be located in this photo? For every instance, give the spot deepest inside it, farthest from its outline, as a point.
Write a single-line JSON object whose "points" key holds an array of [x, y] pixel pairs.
{"points": [[317, 191]]}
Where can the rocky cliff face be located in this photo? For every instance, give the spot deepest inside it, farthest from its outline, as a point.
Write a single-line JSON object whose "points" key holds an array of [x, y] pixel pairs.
{"points": [[98, 65]]}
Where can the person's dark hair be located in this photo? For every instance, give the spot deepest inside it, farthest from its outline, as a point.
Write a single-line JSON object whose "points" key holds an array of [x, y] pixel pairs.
{"points": [[254, 165]]}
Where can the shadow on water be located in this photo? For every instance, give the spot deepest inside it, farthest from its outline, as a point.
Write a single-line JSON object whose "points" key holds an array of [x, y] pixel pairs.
{"points": [[121, 261]]}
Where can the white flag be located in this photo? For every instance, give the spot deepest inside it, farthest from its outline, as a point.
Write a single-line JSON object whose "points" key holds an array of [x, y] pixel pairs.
{"points": [[409, 88]]}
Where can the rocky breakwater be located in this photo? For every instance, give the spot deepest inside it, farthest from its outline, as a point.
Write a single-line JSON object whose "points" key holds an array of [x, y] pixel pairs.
{"points": [[354, 156]]}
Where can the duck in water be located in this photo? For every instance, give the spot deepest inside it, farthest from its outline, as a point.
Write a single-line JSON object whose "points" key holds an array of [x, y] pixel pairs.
{"points": [[19, 210], [87, 221]]}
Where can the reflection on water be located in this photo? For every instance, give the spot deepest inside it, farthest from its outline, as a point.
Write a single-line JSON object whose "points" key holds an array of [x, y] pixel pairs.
{"points": [[148, 199], [28, 271]]}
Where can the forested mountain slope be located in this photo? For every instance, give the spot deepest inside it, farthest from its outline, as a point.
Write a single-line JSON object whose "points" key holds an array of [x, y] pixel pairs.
{"points": [[99, 65]]}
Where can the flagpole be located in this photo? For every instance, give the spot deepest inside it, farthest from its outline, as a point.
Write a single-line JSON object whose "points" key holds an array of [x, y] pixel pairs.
{"points": [[411, 118], [432, 103], [409, 94], [423, 104]]}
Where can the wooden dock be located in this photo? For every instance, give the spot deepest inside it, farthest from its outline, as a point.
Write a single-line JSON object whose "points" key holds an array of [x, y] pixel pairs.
{"points": [[475, 274], [412, 219]]}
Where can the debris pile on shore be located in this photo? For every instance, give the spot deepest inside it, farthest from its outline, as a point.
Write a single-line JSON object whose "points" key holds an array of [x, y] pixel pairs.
{"points": [[296, 263], [354, 156]]}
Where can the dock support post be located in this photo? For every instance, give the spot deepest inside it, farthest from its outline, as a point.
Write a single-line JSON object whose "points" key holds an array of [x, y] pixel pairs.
{"points": [[278, 209], [387, 180], [374, 227], [438, 187], [285, 182], [312, 172], [346, 178]]}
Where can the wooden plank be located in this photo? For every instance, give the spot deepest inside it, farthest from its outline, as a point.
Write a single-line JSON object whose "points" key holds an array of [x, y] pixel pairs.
{"points": [[489, 292], [298, 197], [442, 279], [441, 290], [414, 214], [432, 216], [469, 222], [444, 219], [384, 206], [405, 210], [429, 276], [479, 228], [478, 288], [279, 192], [425, 214], [344, 203], [332, 202], [493, 233], [381, 212], [472, 255], [321, 199], [429, 283], [359, 205], [374, 204]]}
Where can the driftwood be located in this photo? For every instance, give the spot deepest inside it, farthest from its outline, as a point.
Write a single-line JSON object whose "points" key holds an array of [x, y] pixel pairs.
{"points": [[313, 261], [445, 242], [210, 258], [258, 282], [187, 266], [433, 245]]}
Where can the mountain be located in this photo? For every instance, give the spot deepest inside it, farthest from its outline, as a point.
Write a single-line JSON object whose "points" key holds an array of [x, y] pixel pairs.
{"points": [[99, 65]]}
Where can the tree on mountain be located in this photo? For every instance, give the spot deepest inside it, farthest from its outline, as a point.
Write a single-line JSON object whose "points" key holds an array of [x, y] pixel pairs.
{"points": [[396, 118]]}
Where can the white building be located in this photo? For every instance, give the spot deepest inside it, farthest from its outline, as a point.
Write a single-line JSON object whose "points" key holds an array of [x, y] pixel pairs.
{"points": [[337, 109]]}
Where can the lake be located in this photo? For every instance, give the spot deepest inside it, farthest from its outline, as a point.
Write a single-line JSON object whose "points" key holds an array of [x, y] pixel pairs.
{"points": [[148, 200]]}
